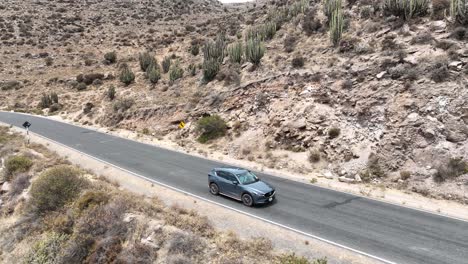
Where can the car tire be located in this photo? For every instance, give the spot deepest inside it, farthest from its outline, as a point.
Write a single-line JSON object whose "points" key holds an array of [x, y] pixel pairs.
{"points": [[214, 189], [247, 200]]}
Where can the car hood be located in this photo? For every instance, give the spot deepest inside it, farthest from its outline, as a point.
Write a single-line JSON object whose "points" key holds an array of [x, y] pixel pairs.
{"points": [[259, 187]]}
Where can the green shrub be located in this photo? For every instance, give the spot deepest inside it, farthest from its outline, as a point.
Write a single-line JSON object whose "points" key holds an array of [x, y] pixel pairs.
{"points": [[110, 57], [336, 26], [153, 73], [406, 9], [16, 164], [47, 250], [166, 64], [111, 93], [146, 59], [235, 52], [211, 127], [126, 75], [56, 187], [254, 51], [176, 72], [452, 168], [334, 132]]}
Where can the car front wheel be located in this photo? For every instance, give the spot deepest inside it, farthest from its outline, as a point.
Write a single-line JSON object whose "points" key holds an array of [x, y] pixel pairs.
{"points": [[247, 199], [214, 189]]}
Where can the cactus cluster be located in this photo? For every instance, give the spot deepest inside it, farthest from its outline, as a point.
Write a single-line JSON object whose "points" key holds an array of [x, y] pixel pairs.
{"points": [[235, 52], [213, 52], [458, 10], [406, 9], [254, 51], [262, 32]]}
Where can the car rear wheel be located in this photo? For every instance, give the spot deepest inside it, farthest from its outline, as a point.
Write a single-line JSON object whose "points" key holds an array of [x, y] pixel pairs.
{"points": [[247, 199], [214, 189]]}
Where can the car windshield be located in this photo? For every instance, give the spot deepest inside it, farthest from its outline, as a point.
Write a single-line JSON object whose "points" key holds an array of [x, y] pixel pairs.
{"points": [[247, 177]]}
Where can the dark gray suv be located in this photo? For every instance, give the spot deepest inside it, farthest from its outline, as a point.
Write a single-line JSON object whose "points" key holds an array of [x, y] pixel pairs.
{"points": [[240, 184]]}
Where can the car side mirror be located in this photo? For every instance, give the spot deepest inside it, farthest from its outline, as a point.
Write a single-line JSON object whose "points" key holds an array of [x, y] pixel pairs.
{"points": [[235, 182]]}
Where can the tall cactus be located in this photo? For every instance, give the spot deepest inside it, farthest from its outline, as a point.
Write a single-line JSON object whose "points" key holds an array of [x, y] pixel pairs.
{"points": [[458, 10], [176, 72], [329, 6], [336, 26], [153, 72], [235, 51], [254, 51]]}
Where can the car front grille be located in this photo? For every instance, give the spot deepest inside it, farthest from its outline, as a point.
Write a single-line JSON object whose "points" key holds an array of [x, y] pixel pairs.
{"points": [[268, 194]]}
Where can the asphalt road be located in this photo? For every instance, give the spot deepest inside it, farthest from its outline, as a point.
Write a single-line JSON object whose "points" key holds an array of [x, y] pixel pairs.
{"points": [[390, 232]]}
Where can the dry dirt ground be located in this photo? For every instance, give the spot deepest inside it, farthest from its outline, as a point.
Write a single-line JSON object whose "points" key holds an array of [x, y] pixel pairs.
{"points": [[385, 110]]}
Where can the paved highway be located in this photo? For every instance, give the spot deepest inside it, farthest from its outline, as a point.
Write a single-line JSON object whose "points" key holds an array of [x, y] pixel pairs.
{"points": [[392, 233]]}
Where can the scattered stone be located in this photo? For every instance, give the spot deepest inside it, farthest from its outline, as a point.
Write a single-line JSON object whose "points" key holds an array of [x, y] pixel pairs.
{"points": [[6, 186], [380, 75], [344, 179]]}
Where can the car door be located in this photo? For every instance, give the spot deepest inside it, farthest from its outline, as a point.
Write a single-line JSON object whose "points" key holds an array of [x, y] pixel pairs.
{"points": [[223, 182], [234, 188]]}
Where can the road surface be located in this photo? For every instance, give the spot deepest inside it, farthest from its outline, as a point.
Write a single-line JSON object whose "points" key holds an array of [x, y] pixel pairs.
{"points": [[392, 233]]}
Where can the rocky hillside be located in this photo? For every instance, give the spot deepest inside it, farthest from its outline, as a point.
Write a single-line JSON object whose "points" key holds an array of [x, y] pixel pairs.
{"points": [[363, 90]]}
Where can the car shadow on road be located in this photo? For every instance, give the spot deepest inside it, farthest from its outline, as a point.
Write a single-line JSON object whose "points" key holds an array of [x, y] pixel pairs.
{"points": [[257, 206]]}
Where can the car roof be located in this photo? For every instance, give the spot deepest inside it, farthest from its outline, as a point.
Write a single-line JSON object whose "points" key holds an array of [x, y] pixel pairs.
{"points": [[233, 170]]}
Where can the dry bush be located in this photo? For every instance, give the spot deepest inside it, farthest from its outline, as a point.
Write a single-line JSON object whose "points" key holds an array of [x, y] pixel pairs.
{"points": [[450, 169], [46, 250], [373, 166], [405, 175], [90, 199], [422, 38], [185, 244], [189, 220], [289, 43], [297, 62], [104, 220], [334, 132], [55, 188], [438, 70], [459, 33], [137, 253], [76, 249], [440, 8], [105, 250], [19, 184], [314, 156], [16, 164]]}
